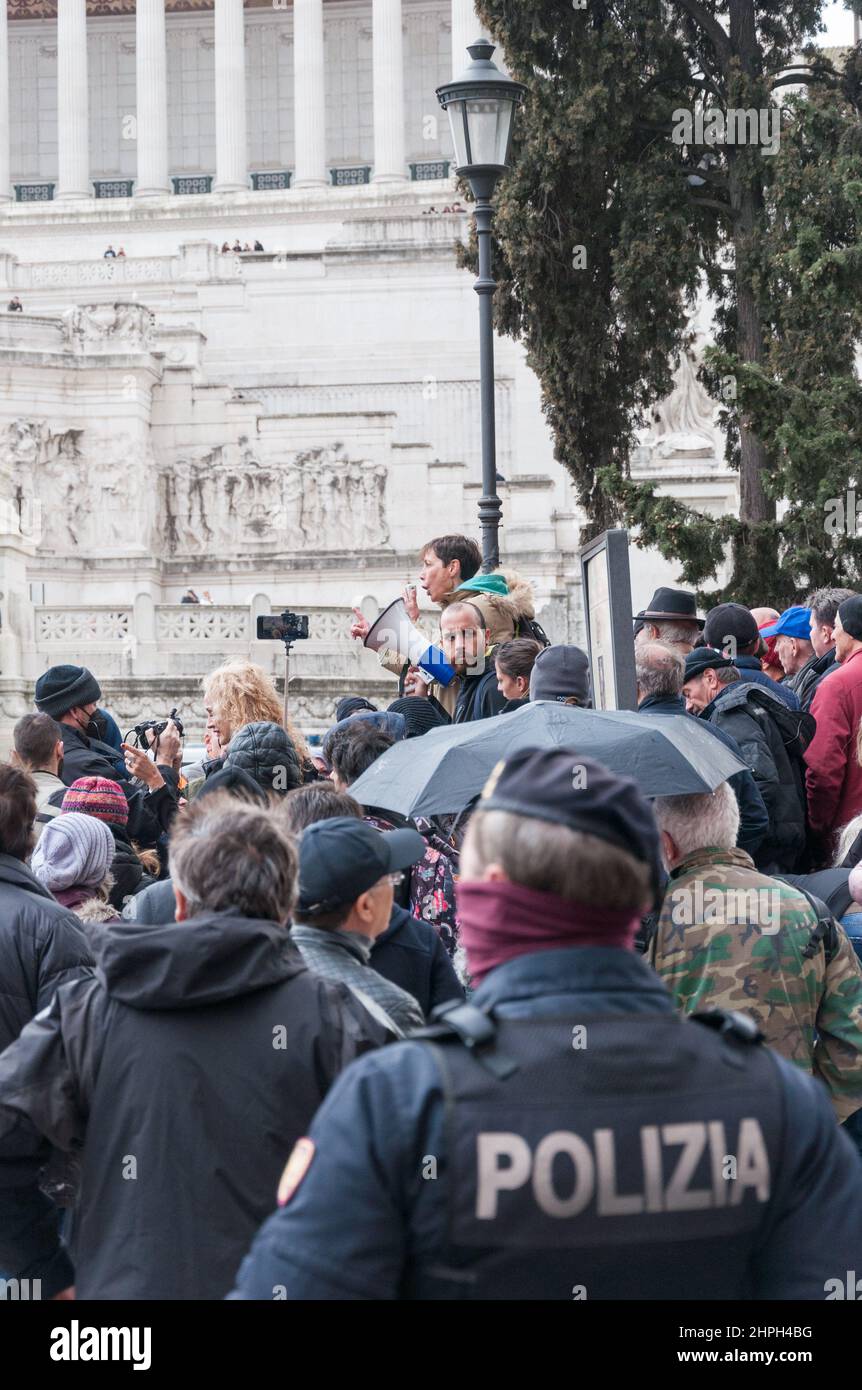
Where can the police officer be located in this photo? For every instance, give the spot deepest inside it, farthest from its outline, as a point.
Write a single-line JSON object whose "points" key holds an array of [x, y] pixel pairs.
{"points": [[568, 1134]]}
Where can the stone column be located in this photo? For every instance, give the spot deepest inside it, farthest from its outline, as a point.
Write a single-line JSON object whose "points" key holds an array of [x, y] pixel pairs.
{"points": [[388, 51], [73, 116], [308, 95], [465, 30], [151, 75], [231, 142], [5, 186]]}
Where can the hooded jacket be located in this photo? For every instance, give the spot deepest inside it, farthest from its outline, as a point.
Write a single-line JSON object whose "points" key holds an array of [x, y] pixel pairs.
{"points": [[502, 599], [181, 1076], [42, 947]]}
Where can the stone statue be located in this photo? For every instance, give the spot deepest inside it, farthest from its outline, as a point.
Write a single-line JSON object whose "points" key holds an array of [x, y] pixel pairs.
{"points": [[684, 423]]}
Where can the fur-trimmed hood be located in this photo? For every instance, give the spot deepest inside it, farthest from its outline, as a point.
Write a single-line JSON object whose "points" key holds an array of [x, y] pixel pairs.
{"points": [[500, 611]]}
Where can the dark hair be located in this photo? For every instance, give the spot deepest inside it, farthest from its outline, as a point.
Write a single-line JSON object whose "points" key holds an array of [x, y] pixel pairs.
{"points": [[17, 811], [517, 658], [461, 548], [35, 737], [351, 751], [316, 801], [824, 604]]}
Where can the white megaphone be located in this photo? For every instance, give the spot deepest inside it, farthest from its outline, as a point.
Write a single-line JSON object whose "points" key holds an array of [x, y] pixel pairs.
{"points": [[394, 629]]}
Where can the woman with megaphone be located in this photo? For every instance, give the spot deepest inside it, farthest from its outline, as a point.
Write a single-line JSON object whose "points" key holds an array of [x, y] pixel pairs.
{"points": [[450, 571]]}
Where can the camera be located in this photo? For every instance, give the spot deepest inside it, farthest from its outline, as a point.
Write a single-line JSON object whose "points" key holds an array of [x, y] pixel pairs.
{"points": [[282, 627], [149, 732]]}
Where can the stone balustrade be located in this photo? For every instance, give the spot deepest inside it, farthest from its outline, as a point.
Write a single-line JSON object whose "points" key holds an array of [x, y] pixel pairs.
{"points": [[116, 272], [30, 332]]}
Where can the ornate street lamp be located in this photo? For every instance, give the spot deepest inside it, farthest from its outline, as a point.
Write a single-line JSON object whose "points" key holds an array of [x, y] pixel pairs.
{"points": [[481, 106]]}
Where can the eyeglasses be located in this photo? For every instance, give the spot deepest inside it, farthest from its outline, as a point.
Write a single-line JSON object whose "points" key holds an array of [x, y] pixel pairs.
{"points": [[395, 879]]}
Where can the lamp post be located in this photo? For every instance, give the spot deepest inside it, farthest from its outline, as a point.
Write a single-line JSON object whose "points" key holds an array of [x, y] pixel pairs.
{"points": [[481, 106]]}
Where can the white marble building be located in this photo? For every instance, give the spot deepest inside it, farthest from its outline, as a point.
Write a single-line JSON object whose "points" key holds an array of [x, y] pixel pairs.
{"points": [[282, 427]]}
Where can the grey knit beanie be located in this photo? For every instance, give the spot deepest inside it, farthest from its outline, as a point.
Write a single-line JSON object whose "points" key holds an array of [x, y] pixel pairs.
{"points": [[74, 851]]}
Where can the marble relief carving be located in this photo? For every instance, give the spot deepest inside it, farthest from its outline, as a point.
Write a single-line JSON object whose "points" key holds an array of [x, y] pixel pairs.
{"points": [[226, 497], [109, 327], [85, 486]]}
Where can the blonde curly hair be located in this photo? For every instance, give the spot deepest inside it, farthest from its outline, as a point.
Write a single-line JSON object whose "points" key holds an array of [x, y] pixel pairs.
{"points": [[244, 693]]}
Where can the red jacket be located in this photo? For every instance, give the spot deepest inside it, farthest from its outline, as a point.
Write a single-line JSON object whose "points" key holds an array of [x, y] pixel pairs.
{"points": [[834, 778]]}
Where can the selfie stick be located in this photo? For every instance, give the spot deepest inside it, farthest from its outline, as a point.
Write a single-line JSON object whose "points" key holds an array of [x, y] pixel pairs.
{"points": [[287, 647]]}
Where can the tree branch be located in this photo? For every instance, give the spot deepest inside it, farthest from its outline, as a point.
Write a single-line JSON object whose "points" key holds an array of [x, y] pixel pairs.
{"points": [[711, 27], [794, 79]]}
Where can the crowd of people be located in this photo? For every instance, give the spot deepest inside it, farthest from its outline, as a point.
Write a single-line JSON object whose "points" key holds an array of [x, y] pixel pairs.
{"points": [[262, 1038]]}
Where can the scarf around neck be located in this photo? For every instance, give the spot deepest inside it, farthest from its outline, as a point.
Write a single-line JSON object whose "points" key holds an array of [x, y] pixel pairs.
{"points": [[500, 921]]}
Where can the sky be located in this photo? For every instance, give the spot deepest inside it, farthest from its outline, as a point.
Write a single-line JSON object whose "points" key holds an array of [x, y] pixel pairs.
{"points": [[839, 26]]}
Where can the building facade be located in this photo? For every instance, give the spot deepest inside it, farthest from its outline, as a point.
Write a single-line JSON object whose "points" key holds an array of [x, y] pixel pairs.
{"points": [[279, 427]]}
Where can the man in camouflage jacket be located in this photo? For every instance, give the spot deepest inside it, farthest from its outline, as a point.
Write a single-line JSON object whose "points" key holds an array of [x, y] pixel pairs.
{"points": [[730, 937]]}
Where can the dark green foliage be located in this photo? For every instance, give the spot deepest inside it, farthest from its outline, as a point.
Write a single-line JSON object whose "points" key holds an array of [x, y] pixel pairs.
{"points": [[776, 238]]}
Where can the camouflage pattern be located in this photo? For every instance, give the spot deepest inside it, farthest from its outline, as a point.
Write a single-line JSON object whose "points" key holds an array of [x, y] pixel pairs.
{"points": [[729, 937]]}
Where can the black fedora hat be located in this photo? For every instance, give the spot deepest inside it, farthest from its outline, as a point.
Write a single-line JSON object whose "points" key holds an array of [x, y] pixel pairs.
{"points": [[671, 605]]}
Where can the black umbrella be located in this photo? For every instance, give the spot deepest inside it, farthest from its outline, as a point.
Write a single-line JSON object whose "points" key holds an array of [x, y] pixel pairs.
{"points": [[441, 772]]}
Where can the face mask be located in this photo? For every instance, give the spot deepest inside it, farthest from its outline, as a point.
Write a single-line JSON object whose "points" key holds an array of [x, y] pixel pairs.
{"points": [[97, 726]]}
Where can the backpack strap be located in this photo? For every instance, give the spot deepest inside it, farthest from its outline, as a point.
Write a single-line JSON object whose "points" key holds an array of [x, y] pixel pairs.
{"points": [[826, 930]]}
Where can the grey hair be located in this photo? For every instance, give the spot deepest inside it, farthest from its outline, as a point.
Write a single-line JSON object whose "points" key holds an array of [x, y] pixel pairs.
{"points": [[660, 670], [700, 820], [824, 604], [227, 856], [569, 863], [672, 633]]}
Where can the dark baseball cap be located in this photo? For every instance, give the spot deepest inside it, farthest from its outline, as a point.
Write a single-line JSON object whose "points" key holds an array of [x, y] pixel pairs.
{"points": [[704, 659], [730, 621], [342, 858], [567, 789]]}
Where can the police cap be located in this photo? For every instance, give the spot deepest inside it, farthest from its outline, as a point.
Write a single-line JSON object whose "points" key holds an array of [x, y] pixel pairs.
{"points": [[568, 789]]}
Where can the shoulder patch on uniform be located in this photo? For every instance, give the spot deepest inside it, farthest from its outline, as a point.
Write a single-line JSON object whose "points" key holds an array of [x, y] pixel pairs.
{"points": [[295, 1170]]}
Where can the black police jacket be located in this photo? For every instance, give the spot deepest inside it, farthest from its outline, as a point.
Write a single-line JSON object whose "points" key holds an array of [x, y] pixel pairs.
{"points": [[390, 1181]]}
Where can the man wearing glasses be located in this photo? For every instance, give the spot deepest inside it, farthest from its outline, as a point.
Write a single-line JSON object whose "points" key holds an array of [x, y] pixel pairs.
{"points": [[347, 874]]}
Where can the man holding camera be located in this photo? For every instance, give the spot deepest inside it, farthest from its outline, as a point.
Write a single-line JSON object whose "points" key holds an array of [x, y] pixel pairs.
{"points": [[71, 694]]}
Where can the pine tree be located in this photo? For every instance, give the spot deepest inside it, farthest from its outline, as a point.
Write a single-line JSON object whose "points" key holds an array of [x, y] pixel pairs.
{"points": [[614, 217]]}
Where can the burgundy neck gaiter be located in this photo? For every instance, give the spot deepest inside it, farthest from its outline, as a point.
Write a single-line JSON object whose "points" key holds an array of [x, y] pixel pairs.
{"points": [[500, 921]]}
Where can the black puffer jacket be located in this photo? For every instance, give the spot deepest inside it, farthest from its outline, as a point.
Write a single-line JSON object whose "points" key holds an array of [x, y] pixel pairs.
{"points": [[751, 714], [42, 947], [201, 1053], [267, 753], [150, 813]]}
